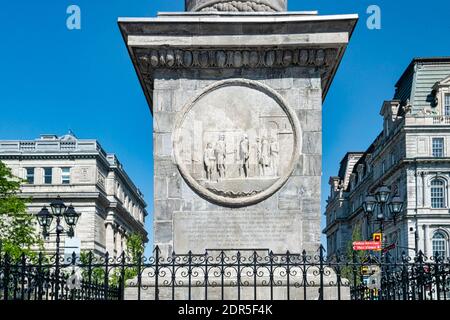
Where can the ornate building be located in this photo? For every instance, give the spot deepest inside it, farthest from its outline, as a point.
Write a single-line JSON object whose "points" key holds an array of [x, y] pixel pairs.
{"points": [[412, 157], [84, 175]]}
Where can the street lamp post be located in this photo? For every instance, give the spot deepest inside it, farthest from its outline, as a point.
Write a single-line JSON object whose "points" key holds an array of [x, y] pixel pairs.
{"points": [[381, 200], [45, 218], [59, 210]]}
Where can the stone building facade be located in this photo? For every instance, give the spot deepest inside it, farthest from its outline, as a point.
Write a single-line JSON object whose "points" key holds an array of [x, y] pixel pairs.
{"points": [[411, 156], [84, 175]]}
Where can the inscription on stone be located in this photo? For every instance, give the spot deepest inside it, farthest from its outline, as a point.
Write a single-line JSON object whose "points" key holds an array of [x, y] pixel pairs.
{"points": [[83, 175], [240, 229]]}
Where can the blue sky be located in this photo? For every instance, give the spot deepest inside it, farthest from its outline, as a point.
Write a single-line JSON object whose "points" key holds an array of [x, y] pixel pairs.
{"points": [[53, 79]]}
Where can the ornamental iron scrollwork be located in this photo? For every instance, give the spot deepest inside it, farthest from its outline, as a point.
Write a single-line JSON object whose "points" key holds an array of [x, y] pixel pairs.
{"points": [[231, 274]]}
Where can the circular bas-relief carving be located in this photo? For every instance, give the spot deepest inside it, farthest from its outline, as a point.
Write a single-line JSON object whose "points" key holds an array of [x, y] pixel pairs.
{"points": [[237, 142]]}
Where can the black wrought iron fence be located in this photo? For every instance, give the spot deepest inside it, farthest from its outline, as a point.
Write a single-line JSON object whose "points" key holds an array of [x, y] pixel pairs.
{"points": [[225, 275]]}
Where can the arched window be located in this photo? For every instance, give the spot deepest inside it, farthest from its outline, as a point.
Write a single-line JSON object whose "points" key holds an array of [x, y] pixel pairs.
{"points": [[437, 194], [439, 244]]}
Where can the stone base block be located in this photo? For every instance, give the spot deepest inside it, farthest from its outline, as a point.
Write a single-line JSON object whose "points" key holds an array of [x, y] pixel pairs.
{"points": [[195, 289]]}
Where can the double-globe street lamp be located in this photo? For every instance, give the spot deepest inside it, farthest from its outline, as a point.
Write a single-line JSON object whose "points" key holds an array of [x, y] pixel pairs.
{"points": [[45, 218], [381, 200], [59, 210]]}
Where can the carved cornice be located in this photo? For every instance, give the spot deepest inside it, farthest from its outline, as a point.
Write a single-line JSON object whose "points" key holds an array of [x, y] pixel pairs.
{"points": [[226, 58], [47, 157], [150, 60]]}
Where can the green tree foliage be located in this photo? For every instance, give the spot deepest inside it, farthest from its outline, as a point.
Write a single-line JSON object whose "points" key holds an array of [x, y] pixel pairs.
{"points": [[97, 273], [351, 256], [133, 254], [135, 247], [18, 234]]}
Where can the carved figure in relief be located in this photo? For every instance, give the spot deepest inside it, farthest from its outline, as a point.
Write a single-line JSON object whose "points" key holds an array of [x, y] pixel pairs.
{"points": [[274, 155], [244, 155], [209, 159], [258, 156], [265, 155], [220, 153]]}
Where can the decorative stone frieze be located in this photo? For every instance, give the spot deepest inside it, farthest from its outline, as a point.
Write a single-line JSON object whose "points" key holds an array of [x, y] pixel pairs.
{"points": [[243, 6], [226, 58], [236, 5]]}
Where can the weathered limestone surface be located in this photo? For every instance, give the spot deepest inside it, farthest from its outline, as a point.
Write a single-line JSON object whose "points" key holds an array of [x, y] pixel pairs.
{"points": [[237, 108], [237, 99], [288, 219], [213, 291]]}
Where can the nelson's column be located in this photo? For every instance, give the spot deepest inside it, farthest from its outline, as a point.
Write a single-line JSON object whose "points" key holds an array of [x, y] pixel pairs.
{"points": [[236, 91]]}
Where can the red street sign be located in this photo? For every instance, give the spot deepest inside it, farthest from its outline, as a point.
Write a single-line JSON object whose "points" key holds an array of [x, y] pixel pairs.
{"points": [[390, 247], [366, 245]]}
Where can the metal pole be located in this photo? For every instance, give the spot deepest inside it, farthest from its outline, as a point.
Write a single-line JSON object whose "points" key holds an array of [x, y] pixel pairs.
{"points": [[58, 232], [380, 293]]}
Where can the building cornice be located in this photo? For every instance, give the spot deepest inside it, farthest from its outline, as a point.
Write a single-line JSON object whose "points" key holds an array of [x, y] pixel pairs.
{"points": [[123, 176], [443, 215], [193, 42], [126, 217], [334, 224], [48, 156], [44, 196]]}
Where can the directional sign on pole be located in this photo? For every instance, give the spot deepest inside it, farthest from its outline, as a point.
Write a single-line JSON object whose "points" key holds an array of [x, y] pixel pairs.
{"points": [[390, 247], [366, 245], [378, 237]]}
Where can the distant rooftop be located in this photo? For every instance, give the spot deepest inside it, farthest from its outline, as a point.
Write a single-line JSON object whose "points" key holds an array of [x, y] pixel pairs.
{"points": [[421, 60], [68, 144], [51, 144]]}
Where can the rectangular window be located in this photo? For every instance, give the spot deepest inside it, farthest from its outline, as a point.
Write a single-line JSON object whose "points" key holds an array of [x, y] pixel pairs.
{"points": [[438, 147], [392, 159], [30, 175], [437, 197], [383, 167], [439, 248], [447, 104], [48, 173], [65, 175]]}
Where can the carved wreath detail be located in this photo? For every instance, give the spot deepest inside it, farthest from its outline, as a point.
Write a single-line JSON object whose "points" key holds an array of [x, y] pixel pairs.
{"points": [[242, 6], [236, 58]]}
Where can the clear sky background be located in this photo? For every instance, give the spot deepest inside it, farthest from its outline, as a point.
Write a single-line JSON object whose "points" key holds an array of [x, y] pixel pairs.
{"points": [[53, 79]]}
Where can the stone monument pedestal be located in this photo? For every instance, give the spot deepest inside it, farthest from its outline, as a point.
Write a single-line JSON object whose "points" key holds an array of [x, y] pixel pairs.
{"points": [[230, 291], [236, 91]]}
